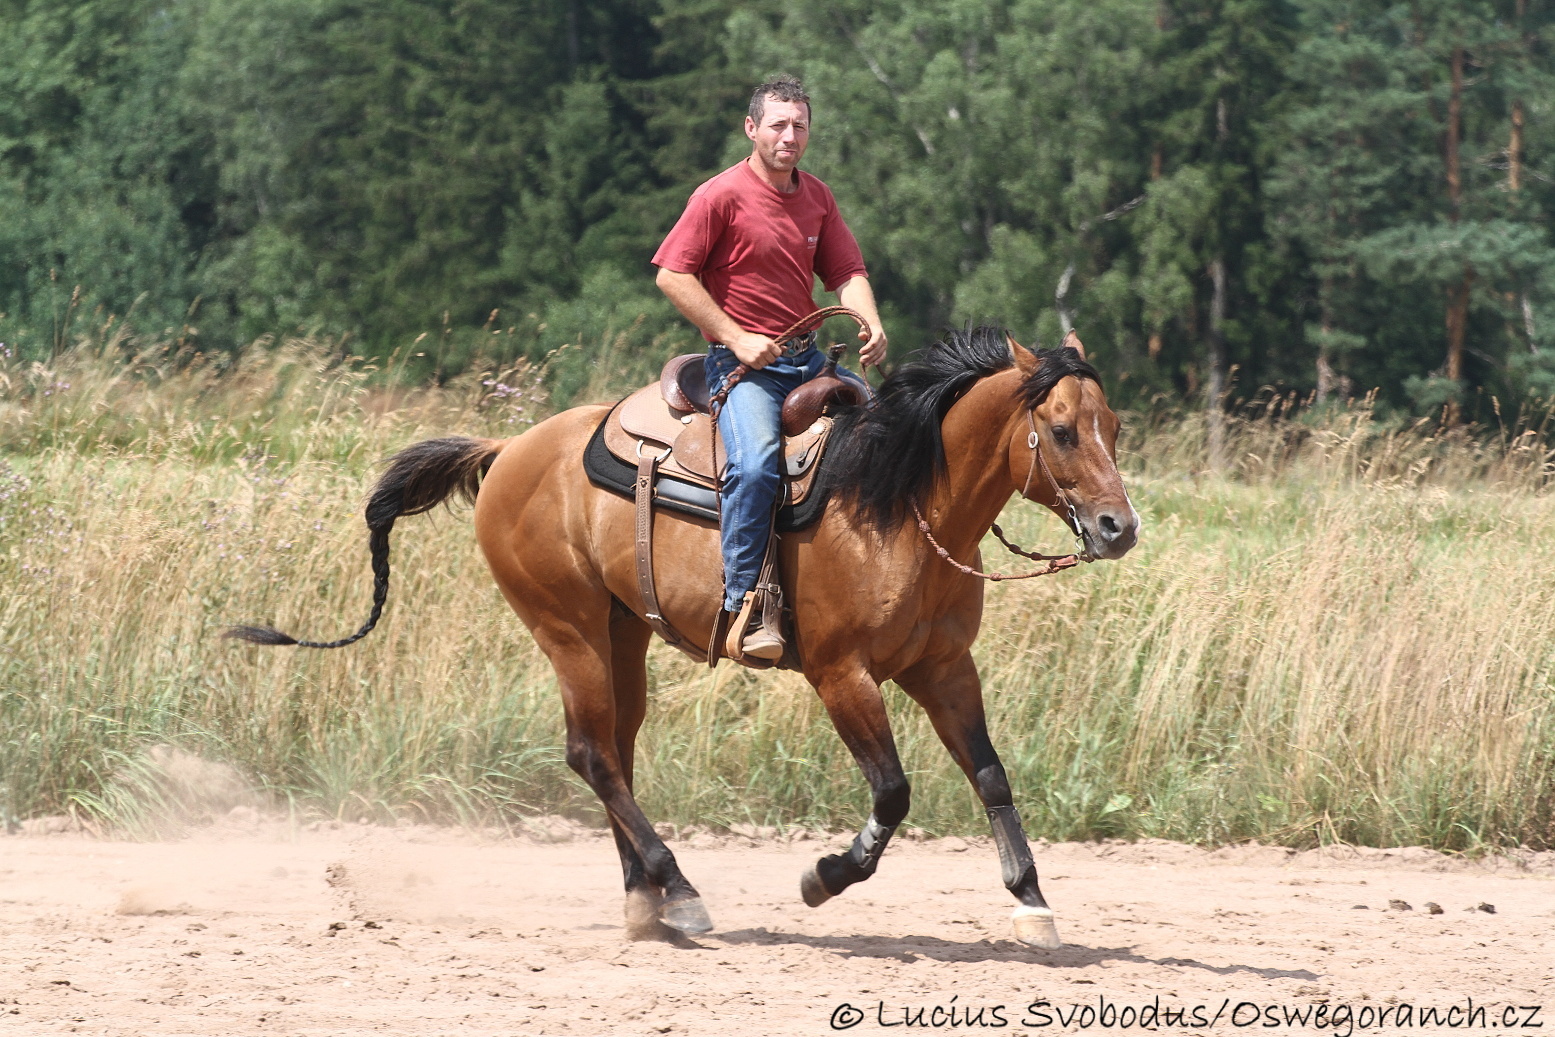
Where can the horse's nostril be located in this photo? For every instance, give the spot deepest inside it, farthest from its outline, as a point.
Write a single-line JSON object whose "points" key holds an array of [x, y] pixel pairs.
{"points": [[1109, 525]]}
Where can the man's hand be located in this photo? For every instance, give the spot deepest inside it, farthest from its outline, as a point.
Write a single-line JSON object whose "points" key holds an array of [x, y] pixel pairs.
{"points": [[857, 295], [873, 350], [754, 351]]}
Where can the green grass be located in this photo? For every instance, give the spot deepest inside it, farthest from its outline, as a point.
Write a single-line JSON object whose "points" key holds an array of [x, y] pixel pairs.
{"points": [[1342, 635]]}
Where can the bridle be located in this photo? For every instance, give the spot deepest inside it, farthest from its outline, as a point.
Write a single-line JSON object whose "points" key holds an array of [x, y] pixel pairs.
{"points": [[1034, 444], [1055, 563]]}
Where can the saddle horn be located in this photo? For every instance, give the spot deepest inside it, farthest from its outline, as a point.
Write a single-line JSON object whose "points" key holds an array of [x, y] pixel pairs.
{"points": [[802, 406]]}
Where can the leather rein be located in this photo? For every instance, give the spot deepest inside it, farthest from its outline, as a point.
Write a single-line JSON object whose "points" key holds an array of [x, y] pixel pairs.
{"points": [[802, 326], [1055, 563]]}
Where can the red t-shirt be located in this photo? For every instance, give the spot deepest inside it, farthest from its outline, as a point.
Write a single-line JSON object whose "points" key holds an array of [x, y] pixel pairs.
{"points": [[757, 250]]}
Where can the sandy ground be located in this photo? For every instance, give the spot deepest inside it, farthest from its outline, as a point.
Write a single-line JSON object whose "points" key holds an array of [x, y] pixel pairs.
{"points": [[262, 927]]}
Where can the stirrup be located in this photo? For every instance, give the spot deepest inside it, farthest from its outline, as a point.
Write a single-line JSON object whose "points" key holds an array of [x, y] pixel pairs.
{"points": [[764, 642]]}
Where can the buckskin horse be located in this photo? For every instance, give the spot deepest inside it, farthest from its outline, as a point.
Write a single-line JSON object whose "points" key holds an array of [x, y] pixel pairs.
{"points": [[882, 586]]}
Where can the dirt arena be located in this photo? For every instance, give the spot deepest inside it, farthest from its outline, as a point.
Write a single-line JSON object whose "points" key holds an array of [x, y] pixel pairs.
{"points": [[261, 927]]}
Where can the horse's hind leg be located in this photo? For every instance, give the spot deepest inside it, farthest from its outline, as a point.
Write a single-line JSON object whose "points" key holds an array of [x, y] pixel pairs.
{"points": [[858, 712], [584, 669], [629, 637], [952, 695]]}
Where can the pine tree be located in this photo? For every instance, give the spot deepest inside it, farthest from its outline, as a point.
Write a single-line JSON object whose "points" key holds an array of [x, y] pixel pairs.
{"points": [[1221, 76], [105, 185]]}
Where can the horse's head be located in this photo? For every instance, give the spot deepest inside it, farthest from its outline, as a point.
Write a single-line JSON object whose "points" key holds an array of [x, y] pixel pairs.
{"points": [[1063, 448]]}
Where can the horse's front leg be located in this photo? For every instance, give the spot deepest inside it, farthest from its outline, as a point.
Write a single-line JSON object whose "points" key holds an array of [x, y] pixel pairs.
{"points": [[952, 695], [858, 712]]}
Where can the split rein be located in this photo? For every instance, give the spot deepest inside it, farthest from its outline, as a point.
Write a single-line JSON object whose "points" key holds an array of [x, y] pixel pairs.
{"points": [[1055, 563], [803, 326]]}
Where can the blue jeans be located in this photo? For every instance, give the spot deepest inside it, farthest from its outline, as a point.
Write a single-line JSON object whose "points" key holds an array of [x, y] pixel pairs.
{"points": [[750, 429]]}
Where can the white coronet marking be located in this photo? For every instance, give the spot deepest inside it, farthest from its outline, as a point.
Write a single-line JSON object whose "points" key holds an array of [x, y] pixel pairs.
{"points": [[1035, 928]]}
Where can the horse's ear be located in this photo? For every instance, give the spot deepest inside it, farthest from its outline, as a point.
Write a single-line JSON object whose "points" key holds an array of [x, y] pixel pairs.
{"points": [[1073, 342], [1024, 360]]}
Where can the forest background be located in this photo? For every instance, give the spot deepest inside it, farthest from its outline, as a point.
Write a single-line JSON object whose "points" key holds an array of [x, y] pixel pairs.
{"points": [[1325, 196]]}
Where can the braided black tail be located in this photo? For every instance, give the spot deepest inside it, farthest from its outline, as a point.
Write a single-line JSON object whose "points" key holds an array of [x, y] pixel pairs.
{"points": [[418, 479]]}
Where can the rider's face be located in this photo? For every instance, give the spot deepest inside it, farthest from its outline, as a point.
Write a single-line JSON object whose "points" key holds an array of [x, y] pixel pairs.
{"points": [[782, 136]]}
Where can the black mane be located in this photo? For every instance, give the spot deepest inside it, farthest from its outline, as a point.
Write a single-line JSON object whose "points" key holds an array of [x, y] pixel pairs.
{"points": [[888, 451]]}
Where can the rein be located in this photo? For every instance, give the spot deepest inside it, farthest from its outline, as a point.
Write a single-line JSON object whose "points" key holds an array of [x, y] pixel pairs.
{"points": [[1055, 563], [801, 326]]}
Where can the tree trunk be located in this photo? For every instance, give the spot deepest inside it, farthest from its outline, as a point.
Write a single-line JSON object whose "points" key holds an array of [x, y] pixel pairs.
{"points": [[1454, 131], [1514, 162], [1514, 183], [572, 35], [1325, 368], [1514, 150], [1065, 315], [1157, 164], [1457, 323], [1216, 385], [1457, 295]]}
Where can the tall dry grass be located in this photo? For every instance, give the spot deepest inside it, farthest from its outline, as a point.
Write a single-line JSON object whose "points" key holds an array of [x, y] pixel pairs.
{"points": [[1344, 635]]}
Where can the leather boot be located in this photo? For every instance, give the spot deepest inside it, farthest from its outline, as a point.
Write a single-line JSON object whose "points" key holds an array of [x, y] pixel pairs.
{"points": [[761, 636]]}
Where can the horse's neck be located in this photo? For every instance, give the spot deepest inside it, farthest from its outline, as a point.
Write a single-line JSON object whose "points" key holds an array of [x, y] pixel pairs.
{"points": [[976, 435]]}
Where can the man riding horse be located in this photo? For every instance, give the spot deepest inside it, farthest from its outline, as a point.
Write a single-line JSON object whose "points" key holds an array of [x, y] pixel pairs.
{"points": [[741, 264], [886, 581]]}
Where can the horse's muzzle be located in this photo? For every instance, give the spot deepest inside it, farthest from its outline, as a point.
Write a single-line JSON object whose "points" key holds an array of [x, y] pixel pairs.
{"points": [[1110, 532]]}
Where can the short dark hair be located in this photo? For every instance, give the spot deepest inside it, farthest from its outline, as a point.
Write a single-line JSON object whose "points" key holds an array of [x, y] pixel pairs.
{"points": [[779, 88]]}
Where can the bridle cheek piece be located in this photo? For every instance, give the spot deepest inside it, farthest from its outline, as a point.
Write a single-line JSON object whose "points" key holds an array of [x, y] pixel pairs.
{"points": [[1055, 563], [1034, 444]]}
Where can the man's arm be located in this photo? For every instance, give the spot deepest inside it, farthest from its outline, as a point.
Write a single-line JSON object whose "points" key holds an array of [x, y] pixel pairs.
{"points": [[856, 294], [696, 305]]}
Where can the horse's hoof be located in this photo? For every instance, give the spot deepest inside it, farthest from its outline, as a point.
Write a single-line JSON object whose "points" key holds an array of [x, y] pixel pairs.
{"points": [[642, 916], [688, 916], [812, 889], [1034, 927]]}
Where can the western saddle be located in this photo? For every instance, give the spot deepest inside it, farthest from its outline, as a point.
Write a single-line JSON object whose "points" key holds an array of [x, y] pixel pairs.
{"points": [[667, 433]]}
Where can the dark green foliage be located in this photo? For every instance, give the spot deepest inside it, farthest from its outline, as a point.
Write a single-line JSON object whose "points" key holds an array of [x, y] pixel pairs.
{"points": [[1215, 192], [1365, 196], [104, 183]]}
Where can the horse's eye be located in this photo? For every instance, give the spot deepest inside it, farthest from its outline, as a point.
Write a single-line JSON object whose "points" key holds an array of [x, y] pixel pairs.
{"points": [[1062, 436]]}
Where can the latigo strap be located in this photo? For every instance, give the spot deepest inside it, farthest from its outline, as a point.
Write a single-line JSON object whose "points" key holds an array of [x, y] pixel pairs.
{"points": [[647, 470]]}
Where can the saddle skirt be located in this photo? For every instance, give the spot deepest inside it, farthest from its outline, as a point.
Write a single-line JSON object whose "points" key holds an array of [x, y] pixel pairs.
{"points": [[645, 421]]}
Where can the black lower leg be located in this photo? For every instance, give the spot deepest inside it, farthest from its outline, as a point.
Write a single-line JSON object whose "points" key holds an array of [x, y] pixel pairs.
{"points": [[1015, 864], [632, 870], [652, 859], [642, 851], [838, 871]]}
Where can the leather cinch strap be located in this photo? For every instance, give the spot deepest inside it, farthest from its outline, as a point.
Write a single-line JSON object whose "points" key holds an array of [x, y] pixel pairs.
{"points": [[647, 471]]}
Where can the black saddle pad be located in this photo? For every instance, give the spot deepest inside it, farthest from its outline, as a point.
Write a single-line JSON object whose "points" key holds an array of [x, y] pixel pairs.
{"points": [[609, 472]]}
